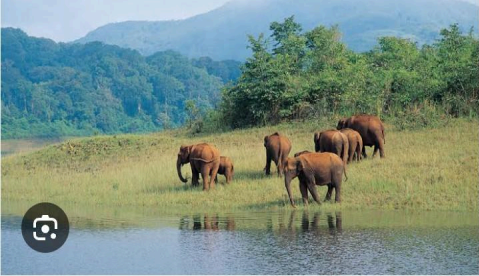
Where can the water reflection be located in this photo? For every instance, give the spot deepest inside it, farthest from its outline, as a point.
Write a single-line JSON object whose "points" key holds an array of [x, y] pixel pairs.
{"points": [[207, 222], [293, 223], [275, 242]]}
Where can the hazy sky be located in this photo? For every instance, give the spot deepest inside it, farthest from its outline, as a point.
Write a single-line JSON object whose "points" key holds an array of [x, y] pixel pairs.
{"points": [[67, 20]]}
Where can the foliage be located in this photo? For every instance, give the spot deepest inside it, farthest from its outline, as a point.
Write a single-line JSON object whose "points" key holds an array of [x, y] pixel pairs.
{"points": [[51, 89], [313, 74]]}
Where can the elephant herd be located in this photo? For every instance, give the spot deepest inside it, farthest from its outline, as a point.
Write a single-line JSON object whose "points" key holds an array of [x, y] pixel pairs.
{"points": [[334, 149]]}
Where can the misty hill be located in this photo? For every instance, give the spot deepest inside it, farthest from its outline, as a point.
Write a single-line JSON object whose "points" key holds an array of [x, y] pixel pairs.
{"points": [[221, 33], [56, 89]]}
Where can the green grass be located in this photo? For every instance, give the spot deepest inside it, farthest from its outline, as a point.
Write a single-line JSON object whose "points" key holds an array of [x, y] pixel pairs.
{"points": [[428, 169]]}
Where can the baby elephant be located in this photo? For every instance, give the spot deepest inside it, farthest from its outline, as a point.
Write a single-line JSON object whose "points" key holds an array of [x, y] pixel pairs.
{"points": [[226, 168]]}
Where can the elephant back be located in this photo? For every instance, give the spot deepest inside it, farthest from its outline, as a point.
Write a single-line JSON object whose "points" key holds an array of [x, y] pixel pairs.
{"points": [[205, 152]]}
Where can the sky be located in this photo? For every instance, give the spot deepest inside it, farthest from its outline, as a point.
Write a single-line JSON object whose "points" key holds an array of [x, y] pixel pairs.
{"points": [[67, 20]]}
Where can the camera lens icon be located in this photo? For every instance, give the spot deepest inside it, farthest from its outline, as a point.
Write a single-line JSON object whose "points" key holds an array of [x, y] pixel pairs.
{"points": [[45, 228]]}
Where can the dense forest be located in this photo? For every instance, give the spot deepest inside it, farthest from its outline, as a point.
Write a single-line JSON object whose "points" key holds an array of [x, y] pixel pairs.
{"points": [[57, 89], [296, 75]]}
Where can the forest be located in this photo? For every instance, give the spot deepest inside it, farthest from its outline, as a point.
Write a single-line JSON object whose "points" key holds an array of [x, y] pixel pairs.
{"points": [[55, 89], [300, 75]]}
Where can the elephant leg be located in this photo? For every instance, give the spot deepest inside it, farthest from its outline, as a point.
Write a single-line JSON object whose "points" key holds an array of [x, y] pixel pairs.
{"points": [[280, 167], [358, 153], [352, 149], [329, 193], [195, 176], [364, 152], [276, 162], [337, 188], [229, 176], [314, 192], [216, 179], [214, 174], [205, 173], [267, 168], [376, 149], [381, 148], [304, 192]]}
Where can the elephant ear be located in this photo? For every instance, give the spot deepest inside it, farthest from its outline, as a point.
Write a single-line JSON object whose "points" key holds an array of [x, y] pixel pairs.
{"points": [[185, 150], [299, 165]]}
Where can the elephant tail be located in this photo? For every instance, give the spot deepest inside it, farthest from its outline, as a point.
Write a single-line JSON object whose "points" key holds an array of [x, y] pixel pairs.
{"points": [[204, 160], [344, 171], [384, 136]]}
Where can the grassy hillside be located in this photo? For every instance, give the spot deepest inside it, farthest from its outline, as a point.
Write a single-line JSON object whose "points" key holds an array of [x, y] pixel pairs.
{"points": [[429, 169], [361, 21]]}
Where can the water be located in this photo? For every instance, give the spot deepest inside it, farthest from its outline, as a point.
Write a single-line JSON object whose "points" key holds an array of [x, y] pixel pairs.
{"points": [[287, 242], [13, 146]]}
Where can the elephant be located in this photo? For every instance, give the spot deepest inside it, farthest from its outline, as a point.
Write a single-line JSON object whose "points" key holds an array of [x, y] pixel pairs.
{"points": [[371, 130], [355, 143], [301, 153], [226, 168], [204, 159], [277, 149], [332, 141], [315, 169]]}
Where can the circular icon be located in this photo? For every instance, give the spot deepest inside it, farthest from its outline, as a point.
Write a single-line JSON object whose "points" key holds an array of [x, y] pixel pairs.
{"points": [[45, 227]]}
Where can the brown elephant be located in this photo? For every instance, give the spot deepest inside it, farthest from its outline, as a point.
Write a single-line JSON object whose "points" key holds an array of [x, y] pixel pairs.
{"points": [[332, 141], [277, 149], [315, 169], [371, 130], [301, 153], [204, 159], [226, 168], [355, 143]]}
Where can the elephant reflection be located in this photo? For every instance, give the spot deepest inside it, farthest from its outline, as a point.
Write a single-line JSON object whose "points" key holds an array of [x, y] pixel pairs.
{"points": [[310, 224], [209, 222]]}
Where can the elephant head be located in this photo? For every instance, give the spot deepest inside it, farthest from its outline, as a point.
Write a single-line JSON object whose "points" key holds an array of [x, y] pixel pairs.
{"points": [[292, 168], [183, 158], [317, 135], [266, 138], [342, 124]]}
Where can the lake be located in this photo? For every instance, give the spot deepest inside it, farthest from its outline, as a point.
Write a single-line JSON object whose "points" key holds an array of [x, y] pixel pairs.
{"points": [[275, 242]]}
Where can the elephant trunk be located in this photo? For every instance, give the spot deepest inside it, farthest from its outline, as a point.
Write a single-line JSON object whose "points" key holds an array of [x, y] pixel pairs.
{"points": [[287, 184], [178, 168]]}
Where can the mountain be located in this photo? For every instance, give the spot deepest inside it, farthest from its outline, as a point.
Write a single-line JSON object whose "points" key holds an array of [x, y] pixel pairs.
{"points": [[222, 33], [56, 89]]}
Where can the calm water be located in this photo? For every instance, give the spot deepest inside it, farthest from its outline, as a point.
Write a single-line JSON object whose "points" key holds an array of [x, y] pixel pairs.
{"points": [[298, 242]]}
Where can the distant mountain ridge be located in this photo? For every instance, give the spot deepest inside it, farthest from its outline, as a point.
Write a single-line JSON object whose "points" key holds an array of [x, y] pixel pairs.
{"points": [[222, 33]]}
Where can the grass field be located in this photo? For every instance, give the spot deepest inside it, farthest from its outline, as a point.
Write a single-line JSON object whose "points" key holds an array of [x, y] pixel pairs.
{"points": [[428, 169]]}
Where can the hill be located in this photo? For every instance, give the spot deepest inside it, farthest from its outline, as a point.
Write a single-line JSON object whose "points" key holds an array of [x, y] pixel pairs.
{"points": [[56, 89], [221, 33]]}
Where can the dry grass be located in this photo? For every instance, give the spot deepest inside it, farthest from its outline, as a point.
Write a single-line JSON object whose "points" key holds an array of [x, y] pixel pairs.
{"points": [[429, 169]]}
